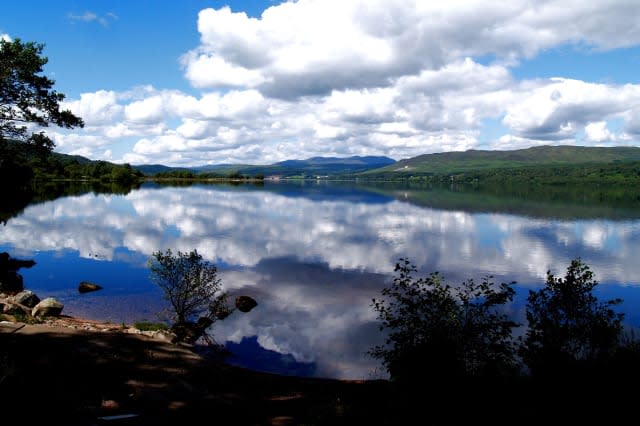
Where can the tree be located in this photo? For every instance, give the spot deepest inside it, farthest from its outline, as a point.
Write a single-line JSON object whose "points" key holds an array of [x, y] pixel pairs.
{"points": [[26, 98], [570, 330], [190, 284], [439, 332]]}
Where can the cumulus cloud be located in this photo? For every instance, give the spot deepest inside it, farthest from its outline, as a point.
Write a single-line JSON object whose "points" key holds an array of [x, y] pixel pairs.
{"points": [[559, 108], [399, 79], [97, 108], [312, 47], [598, 132]]}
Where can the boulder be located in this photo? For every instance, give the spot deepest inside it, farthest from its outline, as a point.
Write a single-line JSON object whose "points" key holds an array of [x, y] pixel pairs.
{"points": [[13, 308], [11, 282], [86, 287], [26, 298], [48, 307], [245, 303]]}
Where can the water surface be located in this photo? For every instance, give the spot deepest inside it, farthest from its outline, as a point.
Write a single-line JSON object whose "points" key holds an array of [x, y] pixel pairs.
{"points": [[313, 254]]}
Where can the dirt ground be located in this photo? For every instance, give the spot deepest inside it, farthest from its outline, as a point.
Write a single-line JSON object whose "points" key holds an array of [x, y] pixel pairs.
{"points": [[64, 374], [74, 372]]}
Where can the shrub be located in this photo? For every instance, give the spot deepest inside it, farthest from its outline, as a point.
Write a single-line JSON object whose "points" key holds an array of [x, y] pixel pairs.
{"points": [[436, 331], [190, 284]]}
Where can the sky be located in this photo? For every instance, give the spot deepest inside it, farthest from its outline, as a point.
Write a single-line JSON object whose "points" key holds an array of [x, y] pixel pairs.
{"points": [[191, 82]]}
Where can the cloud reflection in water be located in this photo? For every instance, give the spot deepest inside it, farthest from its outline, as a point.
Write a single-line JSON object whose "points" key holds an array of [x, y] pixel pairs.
{"points": [[313, 257]]}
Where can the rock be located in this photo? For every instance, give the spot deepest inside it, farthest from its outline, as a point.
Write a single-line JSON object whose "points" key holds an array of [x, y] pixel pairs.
{"points": [[86, 286], [15, 264], [245, 303], [7, 263], [48, 307], [13, 308], [26, 298], [11, 282]]}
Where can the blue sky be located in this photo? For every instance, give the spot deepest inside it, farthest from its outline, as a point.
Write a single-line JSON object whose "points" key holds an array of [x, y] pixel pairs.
{"points": [[205, 82]]}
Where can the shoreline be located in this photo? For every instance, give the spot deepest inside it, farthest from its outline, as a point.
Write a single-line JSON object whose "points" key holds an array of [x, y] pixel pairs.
{"points": [[77, 372]]}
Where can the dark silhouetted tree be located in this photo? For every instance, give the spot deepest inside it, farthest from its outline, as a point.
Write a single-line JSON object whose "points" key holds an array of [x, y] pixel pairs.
{"points": [[570, 330], [438, 332], [190, 284]]}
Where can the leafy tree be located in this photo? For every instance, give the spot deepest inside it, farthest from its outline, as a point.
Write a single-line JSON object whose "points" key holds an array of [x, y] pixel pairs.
{"points": [[26, 96], [569, 328], [190, 284], [436, 331]]}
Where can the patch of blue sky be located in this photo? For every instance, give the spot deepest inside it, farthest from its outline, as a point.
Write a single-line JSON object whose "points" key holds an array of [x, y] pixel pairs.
{"points": [[617, 66], [171, 231], [492, 130]]}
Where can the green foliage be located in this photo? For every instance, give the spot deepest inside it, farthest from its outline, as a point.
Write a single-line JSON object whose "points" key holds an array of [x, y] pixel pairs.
{"points": [[437, 331], [570, 330], [190, 284], [26, 96], [455, 163], [175, 174], [150, 326]]}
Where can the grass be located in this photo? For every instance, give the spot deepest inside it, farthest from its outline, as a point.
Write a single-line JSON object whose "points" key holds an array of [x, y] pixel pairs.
{"points": [[150, 326]]}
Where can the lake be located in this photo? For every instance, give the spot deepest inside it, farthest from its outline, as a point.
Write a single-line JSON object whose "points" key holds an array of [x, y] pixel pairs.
{"points": [[314, 254]]}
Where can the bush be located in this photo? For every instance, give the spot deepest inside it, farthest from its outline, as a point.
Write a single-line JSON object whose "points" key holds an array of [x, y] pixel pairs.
{"points": [[189, 283], [436, 331], [150, 326], [570, 330]]}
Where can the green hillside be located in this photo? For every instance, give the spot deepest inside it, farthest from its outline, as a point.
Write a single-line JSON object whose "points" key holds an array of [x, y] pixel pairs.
{"points": [[475, 160]]}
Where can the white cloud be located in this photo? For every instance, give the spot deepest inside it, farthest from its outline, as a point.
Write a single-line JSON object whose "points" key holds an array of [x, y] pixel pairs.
{"points": [[396, 78], [149, 110], [89, 16], [97, 108], [315, 46], [212, 71], [598, 132], [559, 108]]}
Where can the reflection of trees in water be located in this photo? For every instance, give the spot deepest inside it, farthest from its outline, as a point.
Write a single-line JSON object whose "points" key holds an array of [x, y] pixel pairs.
{"points": [[558, 202], [15, 198]]}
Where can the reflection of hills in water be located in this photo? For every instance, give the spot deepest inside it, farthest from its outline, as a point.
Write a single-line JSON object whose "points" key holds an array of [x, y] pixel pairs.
{"points": [[314, 190], [553, 202], [614, 203], [16, 198]]}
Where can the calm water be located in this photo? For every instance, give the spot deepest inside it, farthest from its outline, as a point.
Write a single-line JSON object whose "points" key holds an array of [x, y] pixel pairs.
{"points": [[313, 255]]}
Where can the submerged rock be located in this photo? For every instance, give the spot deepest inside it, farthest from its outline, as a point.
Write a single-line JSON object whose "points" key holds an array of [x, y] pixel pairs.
{"points": [[86, 287], [245, 303]]}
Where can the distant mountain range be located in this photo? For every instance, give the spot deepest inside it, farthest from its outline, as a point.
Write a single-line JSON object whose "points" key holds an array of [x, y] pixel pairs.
{"points": [[438, 163], [316, 166]]}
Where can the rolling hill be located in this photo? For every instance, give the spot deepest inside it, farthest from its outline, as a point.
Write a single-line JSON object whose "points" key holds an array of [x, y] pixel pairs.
{"points": [[475, 160]]}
